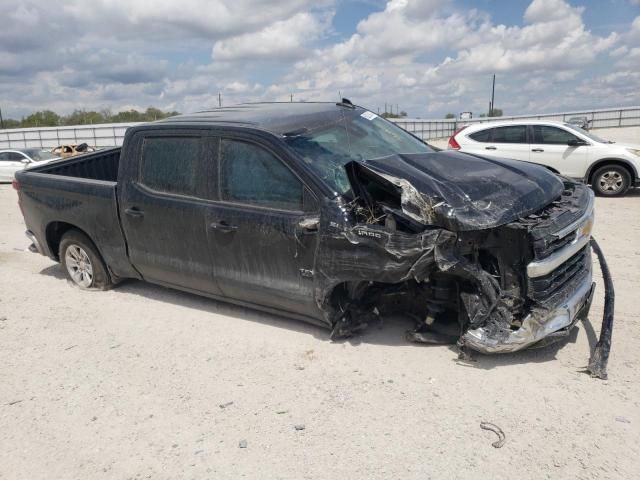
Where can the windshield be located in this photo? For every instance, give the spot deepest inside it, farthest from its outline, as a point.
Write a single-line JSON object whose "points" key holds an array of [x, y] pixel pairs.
{"points": [[355, 136], [587, 134], [39, 155]]}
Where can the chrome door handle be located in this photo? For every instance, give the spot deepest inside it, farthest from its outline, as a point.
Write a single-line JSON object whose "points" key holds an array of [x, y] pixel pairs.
{"points": [[134, 212], [223, 227], [537, 150]]}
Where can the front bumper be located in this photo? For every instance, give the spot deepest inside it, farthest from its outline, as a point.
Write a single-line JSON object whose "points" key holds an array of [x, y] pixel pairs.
{"points": [[568, 271], [538, 324]]}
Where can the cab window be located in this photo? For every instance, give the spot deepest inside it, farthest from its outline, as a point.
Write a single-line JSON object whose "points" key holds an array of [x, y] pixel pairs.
{"points": [[251, 174], [170, 164]]}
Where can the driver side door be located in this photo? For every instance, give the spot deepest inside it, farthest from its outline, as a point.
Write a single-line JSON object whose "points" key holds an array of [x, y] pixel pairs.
{"points": [[262, 228]]}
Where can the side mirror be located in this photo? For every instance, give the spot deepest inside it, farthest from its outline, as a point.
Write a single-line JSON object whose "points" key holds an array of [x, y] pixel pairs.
{"points": [[576, 142], [26, 161]]}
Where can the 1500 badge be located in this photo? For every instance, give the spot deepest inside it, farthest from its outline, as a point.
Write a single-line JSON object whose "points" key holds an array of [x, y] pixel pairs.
{"points": [[368, 233]]}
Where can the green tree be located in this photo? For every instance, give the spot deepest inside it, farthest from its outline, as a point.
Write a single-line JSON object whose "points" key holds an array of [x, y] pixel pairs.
{"points": [[83, 117], [11, 123], [450, 115], [47, 118], [43, 118], [495, 112]]}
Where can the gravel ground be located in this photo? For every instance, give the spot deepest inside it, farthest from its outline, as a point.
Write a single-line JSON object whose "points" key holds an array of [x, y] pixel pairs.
{"points": [[146, 382]]}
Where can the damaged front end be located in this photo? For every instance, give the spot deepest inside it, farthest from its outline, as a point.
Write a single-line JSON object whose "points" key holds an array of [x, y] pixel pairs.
{"points": [[495, 272]]}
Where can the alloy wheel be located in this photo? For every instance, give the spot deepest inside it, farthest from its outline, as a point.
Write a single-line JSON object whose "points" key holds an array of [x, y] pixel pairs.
{"points": [[79, 265], [611, 181]]}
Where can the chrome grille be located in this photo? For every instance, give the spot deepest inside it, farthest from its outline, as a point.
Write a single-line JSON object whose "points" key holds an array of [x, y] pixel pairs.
{"points": [[545, 287], [548, 245]]}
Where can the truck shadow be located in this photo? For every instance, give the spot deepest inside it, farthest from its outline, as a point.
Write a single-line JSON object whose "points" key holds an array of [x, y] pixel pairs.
{"points": [[389, 332]]}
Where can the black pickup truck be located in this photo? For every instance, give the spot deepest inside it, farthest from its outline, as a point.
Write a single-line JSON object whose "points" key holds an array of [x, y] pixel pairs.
{"points": [[328, 213]]}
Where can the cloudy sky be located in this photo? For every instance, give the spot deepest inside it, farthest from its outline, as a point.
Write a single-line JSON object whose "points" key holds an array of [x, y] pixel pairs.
{"points": [[429, 57]]}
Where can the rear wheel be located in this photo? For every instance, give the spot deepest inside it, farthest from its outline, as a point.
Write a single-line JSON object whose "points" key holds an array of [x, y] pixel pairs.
{"points": [[611, 181], [82, 262]]}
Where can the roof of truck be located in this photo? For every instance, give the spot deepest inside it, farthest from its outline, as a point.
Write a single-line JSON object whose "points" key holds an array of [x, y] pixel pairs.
{"points": [[275, 117]]}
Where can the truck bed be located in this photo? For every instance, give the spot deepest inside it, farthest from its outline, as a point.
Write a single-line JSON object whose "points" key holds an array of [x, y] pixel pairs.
{"points": [[100, 165], [81, 193]]}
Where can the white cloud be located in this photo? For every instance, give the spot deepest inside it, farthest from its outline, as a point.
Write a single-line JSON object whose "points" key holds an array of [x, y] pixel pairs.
{"points": [[551, 49], [429, 56], [284, 39]]}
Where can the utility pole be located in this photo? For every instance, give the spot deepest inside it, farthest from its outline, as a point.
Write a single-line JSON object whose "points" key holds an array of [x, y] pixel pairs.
{"points": [[292, 98], [219, 100], [1, 120], [493, 91]]}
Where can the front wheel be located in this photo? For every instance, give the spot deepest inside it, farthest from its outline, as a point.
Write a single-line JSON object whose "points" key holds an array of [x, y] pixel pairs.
{"points": [[82, 262], [611, 181]]}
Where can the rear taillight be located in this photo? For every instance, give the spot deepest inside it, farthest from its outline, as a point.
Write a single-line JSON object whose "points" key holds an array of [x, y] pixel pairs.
{"points": [[453, 144], [16, 186]]}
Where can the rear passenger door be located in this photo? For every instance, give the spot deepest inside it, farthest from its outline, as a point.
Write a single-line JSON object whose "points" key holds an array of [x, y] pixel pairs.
{"points": [[262, 250], [550, 147], [163, 208], [504, 142]]}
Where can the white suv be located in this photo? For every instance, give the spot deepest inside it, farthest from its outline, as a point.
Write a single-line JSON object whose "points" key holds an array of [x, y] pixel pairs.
{"points": [[610, 168]]}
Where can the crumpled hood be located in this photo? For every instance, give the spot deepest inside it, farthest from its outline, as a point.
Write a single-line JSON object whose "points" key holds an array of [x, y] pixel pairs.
{"points": [[459, 191]]}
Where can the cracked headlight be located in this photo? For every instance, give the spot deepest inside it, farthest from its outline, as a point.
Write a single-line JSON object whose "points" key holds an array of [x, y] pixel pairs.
{"points": [[636, 152]]}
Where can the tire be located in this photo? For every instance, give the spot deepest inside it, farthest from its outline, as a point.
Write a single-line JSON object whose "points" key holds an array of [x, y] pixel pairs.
{"points": [[611, 181], [82, 262]]}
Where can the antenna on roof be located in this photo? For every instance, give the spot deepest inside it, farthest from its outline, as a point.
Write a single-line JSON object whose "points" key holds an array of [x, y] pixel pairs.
{"points": [[345, 102]]}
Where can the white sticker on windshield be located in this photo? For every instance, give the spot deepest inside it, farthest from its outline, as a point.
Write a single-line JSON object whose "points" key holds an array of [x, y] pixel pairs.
{"points": [[369, 115]]}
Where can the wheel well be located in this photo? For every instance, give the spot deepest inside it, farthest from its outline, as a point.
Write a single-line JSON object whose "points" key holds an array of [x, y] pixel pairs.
{"points": [[602, 163], [54, 233]]}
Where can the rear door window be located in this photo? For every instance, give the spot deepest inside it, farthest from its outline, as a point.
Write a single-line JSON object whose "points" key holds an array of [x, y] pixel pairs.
{"points": [[171, 164], [551, 135], [251, 174], [510, 134]]}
